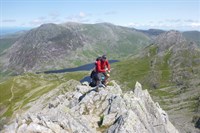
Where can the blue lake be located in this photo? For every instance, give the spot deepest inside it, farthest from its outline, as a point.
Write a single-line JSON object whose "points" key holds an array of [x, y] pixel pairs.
{"points": [[86, 67]]}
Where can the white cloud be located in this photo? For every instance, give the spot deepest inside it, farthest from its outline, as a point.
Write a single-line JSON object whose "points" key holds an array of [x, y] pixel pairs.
{"points": [[197, 24], [36, 22], [81, 17], [42, 18], [51, 18], [82, 14], [110, 13], [173, 20], [190, 20], [99, 20], [131, 24], [54, 15], [177, 24], [9, 20]]}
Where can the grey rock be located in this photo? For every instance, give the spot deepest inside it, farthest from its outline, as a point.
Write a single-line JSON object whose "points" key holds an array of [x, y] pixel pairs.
{"points": [[109, 119], [108, 110]]}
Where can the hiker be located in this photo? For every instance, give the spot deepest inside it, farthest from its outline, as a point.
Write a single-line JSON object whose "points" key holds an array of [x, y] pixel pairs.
{"points": [[97, 73], [105, 66]]}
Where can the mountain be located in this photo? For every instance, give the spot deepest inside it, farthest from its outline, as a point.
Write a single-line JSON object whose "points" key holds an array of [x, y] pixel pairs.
{"points": [[72, 107], [152, 32], [52, 46], [170, 69], [40, 45], [192, 36]]}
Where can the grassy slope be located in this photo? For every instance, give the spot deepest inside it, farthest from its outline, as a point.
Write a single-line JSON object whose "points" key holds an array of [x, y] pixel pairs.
{"points": [[140, 69], [17, 91], [158, 79], [116, 42], [176, 87]]}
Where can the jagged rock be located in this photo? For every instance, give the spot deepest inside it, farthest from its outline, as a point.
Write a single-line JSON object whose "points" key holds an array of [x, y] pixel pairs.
{"points": [[84, 110], [109, 119]]}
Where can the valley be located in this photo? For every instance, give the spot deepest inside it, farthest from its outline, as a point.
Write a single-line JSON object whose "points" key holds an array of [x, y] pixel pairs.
{"points": [[167, 63]]}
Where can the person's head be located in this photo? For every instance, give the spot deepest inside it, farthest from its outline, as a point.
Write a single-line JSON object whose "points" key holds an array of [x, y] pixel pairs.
{"points": [[98, 58], [103, 57]]}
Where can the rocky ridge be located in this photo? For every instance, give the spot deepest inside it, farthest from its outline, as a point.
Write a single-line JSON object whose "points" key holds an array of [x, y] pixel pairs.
{"points": [[85, 109], [174, 78]]}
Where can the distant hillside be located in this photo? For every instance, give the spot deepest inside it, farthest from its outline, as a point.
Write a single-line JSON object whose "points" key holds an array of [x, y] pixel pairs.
{"points": [[152, 32], [12, 30], [192, 36], [6, 41], [170, 68], [52, 46]]}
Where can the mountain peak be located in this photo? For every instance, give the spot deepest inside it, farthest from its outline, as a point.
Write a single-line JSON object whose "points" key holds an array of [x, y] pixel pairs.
{"points": [[168, 39], [39, 45], [53, 46], [46, 25], [84, 109]]}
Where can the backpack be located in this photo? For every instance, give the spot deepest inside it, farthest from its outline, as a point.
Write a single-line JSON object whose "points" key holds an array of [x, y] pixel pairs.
{"points": [[98, 58], [92, 74]]}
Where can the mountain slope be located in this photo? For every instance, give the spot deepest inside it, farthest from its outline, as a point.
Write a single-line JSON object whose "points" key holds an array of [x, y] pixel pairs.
{"points": [[52, 46], [84, 109], [153, 33], [192, 36], [18, 91], [7, 41], [170, 69], [40, 46]]}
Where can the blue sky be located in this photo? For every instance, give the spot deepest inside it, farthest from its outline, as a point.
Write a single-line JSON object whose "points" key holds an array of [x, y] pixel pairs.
{"points": [[140, 14]]}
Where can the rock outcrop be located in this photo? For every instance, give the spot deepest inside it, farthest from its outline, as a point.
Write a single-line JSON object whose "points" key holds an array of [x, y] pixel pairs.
{"points": [[90, 110]]}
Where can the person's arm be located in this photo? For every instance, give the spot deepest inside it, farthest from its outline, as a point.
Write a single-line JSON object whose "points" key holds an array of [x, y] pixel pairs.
{"points": [[107, 65]]}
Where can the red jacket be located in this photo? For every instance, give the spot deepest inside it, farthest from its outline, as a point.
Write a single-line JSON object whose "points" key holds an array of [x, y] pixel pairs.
{"points": [[98, 67], [105, 64]]}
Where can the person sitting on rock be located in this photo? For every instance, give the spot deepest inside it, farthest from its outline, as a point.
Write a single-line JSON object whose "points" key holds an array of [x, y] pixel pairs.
{"points": [[105, 66], [97, 73]]}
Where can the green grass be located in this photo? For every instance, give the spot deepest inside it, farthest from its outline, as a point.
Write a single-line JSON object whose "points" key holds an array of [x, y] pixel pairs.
{"points": [[153, 50], [165, 69], [161, 93], [116, 42], [127, 72], [24, 88]]}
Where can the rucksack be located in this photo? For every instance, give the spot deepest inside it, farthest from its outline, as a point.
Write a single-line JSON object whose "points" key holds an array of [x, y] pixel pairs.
{"points": [[92, 74], [98, 58]]}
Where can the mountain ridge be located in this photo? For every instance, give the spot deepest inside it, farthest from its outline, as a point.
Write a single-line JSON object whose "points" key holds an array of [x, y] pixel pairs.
{"points": [[83, 109], [169, 69], [50, 46]]}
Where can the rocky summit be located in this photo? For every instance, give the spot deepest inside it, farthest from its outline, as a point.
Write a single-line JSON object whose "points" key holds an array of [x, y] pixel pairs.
{"points": [[89, 110]]}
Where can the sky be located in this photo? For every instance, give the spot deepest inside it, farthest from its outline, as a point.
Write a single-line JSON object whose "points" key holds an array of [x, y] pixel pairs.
{"points": [[140, 14]]}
